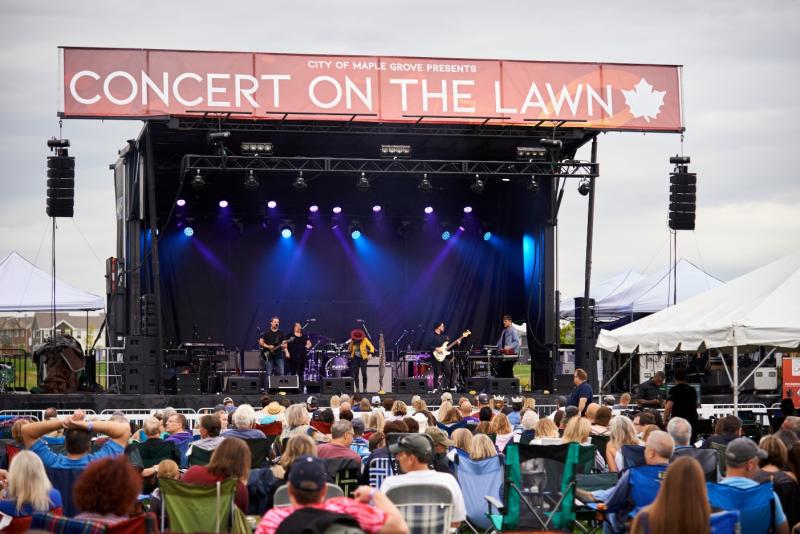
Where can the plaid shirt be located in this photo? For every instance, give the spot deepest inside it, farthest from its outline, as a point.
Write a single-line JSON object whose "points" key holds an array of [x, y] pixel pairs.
{"points": [[370, 519]]}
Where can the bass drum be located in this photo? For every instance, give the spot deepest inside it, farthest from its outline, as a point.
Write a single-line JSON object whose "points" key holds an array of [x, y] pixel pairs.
{"points": [[337, 367]]}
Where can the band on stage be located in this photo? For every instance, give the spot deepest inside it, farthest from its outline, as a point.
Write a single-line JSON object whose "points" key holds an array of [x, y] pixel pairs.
{"points": [[291, 354]]}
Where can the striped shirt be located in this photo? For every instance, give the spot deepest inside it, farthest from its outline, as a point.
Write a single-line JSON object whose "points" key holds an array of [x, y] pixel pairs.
{"points": [[370, 519]]}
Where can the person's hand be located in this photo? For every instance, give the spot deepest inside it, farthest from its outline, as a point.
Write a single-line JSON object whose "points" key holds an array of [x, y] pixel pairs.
{"points": [[3, 478], [362, 494], [458, 342], [78, 415]]}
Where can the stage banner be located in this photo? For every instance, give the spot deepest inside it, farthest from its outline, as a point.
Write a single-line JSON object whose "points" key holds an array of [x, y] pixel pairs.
{"points": [[137, 84]]}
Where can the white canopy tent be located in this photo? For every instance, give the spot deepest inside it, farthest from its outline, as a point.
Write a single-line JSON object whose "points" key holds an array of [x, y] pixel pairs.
{"points": [[621, 282], [24, 287], [760, 308]]}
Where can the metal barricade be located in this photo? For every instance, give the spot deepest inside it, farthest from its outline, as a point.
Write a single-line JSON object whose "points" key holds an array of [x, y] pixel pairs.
{"points": [[14, 367], [109, 362], [31, 414]]}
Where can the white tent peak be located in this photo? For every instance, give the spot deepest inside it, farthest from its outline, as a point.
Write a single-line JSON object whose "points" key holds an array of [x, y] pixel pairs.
{"points": [[25, 287]]}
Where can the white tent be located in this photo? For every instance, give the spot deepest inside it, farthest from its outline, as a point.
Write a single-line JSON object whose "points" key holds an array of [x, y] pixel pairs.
{"points": [[25, 287], [603, 290], [759, 308]]}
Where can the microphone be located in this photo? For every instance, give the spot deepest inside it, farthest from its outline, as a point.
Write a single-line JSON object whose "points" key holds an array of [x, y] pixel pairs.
{"points": [[360, 320], [312, 320]]}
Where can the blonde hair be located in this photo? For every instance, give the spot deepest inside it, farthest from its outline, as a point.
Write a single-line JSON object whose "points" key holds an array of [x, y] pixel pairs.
{"points": [[482, 447], [462, 438], [529, 402], [418, 404], [578, 430], [546, 428], [443, 409], [151, 426], [500, 425], [168, 469], [296, 415], [621, 432], [378, 420], [335, 401], [648, 430], [399, 408], [299, 445], [28, 482]]}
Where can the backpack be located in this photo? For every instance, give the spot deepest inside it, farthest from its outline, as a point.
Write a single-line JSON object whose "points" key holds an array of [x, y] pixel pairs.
{"points": [[317, 521]]}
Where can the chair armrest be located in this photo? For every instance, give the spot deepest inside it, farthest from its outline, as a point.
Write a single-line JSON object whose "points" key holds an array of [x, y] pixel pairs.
{"points": [[494, 503]]}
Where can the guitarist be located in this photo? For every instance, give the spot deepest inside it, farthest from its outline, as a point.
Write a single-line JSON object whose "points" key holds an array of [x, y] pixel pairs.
{"points": [[444, 367], [271, 344]]}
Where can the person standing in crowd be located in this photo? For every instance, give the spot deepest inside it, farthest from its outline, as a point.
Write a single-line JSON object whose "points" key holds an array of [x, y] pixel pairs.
{"points": [[270, 343], [682, 401], [649, 393], [296, 352], [361, 349], [581, 396]]}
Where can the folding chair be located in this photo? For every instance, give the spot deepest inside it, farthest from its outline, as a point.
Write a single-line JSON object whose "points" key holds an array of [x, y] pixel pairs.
{"points": [[633, 455], [426, 508], [259, 451], [344, 474], [719, 448], [63, 480], [601, 442], [709, 460], [198, 456], [755, 505], [645, 481], [153, 455], [477, 480], [379, 469], [144, 523], [281, 497], [271, 429], [724, 522], [197, 507]]}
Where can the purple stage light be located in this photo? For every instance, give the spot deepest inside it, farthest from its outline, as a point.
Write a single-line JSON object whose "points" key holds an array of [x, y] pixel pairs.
{"points": [[461, 229], [272, 204], [313, 209], [223, 203], [467, 209], [428, 209], [310, 226], [376, 208], [337, 209], [181, 202]]}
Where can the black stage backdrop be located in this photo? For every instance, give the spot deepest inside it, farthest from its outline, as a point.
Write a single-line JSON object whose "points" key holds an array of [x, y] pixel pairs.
{"points": [[225, 281]]}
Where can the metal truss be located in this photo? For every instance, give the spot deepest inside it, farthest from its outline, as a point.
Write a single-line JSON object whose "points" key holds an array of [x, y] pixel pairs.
{"points": [[561, 169]]}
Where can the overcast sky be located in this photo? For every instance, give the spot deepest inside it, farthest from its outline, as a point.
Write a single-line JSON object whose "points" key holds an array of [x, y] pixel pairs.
{"points": [[740, 79]]}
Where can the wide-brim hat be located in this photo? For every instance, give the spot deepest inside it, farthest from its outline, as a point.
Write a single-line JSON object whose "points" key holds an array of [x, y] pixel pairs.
{"points": [[273, 408], [357, 334]]}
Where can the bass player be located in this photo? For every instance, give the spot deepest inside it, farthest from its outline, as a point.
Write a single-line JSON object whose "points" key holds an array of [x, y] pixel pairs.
{"points": [[443, 366], [271, 343]]}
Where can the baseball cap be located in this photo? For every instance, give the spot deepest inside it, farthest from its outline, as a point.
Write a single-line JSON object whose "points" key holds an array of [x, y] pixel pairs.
{"points": [[416, 444], [609, 399], [483, 398], [311, 401], [439, 436], [376, 400], [219, 408], [740, 450], [308, 473], [226, 400], [446, 396]]}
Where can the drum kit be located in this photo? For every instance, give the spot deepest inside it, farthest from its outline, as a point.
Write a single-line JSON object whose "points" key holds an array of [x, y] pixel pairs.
{"points": [[326, 359]]}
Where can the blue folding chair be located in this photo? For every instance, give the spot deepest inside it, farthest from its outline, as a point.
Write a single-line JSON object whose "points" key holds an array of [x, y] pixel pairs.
{"points": [[633, 455], [724, 522], [645, 481], [479, 479], [756, 505]]}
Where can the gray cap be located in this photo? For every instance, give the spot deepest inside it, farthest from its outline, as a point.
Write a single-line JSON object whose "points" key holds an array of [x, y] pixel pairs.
{"points": [[742, 449], [358, 425], [483, 398], [416, 444]]}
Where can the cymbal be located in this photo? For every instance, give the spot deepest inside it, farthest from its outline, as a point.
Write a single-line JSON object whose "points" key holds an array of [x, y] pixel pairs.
{"points": [[319, 338]]}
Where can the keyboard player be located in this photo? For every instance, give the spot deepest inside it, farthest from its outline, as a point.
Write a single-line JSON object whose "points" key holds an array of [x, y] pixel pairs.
{"points": [[508, 344]]}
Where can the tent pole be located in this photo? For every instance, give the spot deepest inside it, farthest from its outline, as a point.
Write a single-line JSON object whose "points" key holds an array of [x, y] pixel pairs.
{"points": [[757, 367], [735, 380]]}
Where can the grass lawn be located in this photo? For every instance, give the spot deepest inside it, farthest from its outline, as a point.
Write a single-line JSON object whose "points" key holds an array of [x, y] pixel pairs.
{"points": [[523, 372]]}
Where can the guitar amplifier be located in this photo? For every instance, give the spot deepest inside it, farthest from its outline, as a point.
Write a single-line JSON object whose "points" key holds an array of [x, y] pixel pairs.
{"points": [[372, 377], [252, 360]]}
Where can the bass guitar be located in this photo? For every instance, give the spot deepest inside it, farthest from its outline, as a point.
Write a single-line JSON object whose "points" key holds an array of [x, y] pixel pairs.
{"points": [[443, 351], [267, 354]]}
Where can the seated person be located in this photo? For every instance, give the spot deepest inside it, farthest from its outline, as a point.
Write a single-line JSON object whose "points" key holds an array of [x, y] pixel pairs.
{"points": [[726, 430], [307, 489], [231, 459], [339, 446], [244, 419], [210, 428], [413, 453], [28, 490], [107, 491], [618, 500]]}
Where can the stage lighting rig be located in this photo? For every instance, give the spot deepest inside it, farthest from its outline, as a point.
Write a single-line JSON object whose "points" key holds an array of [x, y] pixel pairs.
{"points": [[395, 151], [256, 149], [198, 182], [477, 184], [533, 185], [363, 182], [527, 153], [217, 140], [425, 184], [355, 230], [584, 187], [680, 160], [300, 182], [551, 143], [251, 183], [287, 229]]}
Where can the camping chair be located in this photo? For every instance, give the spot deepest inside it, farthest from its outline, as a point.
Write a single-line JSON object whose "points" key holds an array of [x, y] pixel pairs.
{"points": [[271, 429], [344, 474], [645, 481], [724, 522], [147, 523], [198, 456], [632, 455], [379, 469], [720, 450], [477, 479], [153, 455], [63, 480], [197, 507], [281, 497], [755, 505], [259, 451], [426, 508], [709, 460], [601, 442]]}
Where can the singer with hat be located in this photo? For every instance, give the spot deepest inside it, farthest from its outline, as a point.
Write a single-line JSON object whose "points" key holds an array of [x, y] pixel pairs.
{"points": [[360, 351]]}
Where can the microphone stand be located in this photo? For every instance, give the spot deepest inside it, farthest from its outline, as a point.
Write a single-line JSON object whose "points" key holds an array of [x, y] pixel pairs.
{"points": [[364, 324]]}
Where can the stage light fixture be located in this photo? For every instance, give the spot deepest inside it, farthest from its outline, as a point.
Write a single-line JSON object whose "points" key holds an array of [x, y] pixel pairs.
{"points": [[188, 231], [428, 209], [272, 204], [505, 179], [337, 210], [680, 160], [217, 136], [313, 208], [355, 230], [300, 182], [198, 182], [533, 185], [363, 182], [487, 236], [462, 229], [376, 208], [525, 153], [584, 187], [287, 229], [251, 183], [395, 151], [425, 185], [551, 143], [477, 185], [467, 209], [223, 203], [256, 149], [309, 226], [181, 203], [445, 235]]}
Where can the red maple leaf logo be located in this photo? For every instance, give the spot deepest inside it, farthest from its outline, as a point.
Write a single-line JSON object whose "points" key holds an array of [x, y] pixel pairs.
{"points": [[642, 101]]}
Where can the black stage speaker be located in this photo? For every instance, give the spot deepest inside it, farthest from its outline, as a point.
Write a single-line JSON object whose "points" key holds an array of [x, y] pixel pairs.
{"points": [[141, 379], [477, 383], [563, 384], [141, 350], [187, 384], [60, 182], [283, 382], [243, 385], [504, 385], [411, 385], [336, 386]]}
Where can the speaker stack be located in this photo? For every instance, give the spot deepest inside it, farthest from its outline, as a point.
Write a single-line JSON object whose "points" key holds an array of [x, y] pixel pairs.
{"points": [[141, 365]]}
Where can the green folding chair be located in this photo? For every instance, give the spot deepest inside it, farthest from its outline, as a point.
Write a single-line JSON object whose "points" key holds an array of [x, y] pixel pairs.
{"points": [[197, 507], [199, 456]]}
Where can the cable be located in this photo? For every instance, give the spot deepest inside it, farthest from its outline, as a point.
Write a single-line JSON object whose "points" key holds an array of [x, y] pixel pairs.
{"points": [[86, 241]]}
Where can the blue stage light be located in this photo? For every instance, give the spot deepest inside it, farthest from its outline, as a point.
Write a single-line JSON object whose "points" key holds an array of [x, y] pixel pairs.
{"points": [[188, 231], [286, 233], [445, 235], [355, 234], [487, 236]]}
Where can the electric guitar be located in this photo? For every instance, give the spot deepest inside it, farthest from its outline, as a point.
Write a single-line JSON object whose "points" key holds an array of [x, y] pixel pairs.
{"points": [[442, 352], [268, 354]]}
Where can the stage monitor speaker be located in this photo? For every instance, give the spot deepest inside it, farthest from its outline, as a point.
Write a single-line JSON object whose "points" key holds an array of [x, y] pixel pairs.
{"points": [[504, 385], [187, 383], [141, 350], [372, 377], [285, 382], [563, 384], [243, 385], [141, 379], [252, 360], [411, 385], [477, 384], [337, 386]]}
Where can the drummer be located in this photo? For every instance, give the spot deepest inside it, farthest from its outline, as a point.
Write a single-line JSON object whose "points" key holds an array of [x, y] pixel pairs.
{"points": [[360, 351]]}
